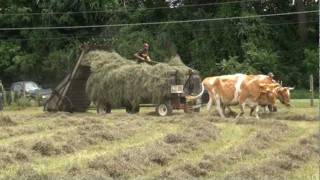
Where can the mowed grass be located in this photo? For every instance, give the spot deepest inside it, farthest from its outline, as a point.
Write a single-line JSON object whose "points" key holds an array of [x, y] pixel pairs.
{"points": [[40, 145]]}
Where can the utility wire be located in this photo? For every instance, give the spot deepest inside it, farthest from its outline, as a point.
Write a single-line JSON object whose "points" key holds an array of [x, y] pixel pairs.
{"points": [[95, 36], [129, 9], [159, 22]]}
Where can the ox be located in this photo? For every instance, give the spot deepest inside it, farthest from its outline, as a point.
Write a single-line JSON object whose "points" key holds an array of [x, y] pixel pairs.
{"points": [[281, 93], [251, 90]]}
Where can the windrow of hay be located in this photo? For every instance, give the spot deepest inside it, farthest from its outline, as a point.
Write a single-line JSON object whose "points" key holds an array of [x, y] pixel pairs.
{"points": [[209, 163], [282, 163], [117, 81], [27, 172], [40, 123], [10, 155], [83, 136], [137, 161], [6, 121], [290, 116]]}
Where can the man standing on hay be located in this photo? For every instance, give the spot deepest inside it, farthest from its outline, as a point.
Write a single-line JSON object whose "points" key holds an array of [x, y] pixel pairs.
{"points": [[143, 54]]}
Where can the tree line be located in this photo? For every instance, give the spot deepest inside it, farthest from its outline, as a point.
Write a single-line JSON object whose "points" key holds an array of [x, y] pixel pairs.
{"points": [[284, 45]]}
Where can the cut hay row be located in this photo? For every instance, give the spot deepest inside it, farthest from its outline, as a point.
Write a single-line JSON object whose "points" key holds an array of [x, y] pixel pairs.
{"points": [[6, 121], [270, 121], [41, 125], [230, 135], [38, 129], [63, 142], [117, 81], [246, 155], [137, 161], [281, 164], [150, 132], [309, 170], [251, 157], [218, 162], [291, 117], [82, 137]]}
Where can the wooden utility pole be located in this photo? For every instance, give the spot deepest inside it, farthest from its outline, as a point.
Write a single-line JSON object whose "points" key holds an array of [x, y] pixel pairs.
{"points": [[3, 91], [124, 4], [319, 61], [311, 90], [302, 18], [12, 97]]}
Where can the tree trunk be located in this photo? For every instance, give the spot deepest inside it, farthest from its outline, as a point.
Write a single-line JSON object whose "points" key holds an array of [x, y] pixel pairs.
{"points": [[302, 18]]}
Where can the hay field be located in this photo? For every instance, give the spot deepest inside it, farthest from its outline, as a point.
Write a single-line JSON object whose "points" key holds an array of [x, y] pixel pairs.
{"points": [[39, 145]]}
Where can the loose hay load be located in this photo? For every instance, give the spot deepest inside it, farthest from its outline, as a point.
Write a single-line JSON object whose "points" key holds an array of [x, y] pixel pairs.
{"points": [[116, 81]]}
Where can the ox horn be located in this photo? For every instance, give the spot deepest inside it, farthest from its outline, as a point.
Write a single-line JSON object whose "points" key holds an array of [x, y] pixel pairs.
{"points": [[197, 96], [291, 88]]}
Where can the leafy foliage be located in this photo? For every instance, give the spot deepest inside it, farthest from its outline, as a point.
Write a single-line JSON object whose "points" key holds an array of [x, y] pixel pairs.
{"points": [[255, 45]]}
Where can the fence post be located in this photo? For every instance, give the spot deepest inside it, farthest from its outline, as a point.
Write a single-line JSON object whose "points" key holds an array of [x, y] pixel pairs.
{"points": [[4, 96], [311, 90], [12, 97]]}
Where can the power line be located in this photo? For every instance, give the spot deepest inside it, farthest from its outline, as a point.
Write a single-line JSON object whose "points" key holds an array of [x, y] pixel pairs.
{"points": [[160, 22], [95, 36], [129, 9]]}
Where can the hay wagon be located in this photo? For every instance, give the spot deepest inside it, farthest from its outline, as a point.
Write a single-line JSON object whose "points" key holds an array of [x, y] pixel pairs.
{"points": [[178, 99], [71, 94]]}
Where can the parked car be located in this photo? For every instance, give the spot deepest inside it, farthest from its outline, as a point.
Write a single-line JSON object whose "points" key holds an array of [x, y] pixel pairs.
{"points": [[31, 89]]}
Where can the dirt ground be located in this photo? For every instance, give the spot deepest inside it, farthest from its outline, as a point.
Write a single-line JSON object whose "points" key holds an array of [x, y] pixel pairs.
{"points": [[40, 145]]}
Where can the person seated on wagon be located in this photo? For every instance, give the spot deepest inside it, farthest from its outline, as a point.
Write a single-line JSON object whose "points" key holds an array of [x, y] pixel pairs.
{"points": [[143, 54]]}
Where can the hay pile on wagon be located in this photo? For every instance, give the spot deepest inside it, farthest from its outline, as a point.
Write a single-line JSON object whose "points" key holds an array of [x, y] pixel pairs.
{"points": [[116, 81]]}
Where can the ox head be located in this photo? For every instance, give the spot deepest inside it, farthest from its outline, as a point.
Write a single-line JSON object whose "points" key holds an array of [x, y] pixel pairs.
{"points": [[267, 91], [283, 94]]}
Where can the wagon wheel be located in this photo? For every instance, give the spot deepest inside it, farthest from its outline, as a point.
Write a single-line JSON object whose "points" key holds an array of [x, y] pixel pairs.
{"points": [[164, 109], [104, 109], [196, 110], [132, 110]]}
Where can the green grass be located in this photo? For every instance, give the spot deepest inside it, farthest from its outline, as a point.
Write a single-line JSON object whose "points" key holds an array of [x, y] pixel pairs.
{"points": [[309, 171], [303, 94], [254, 160], [150, 129], [149, 133], [230, 136]]}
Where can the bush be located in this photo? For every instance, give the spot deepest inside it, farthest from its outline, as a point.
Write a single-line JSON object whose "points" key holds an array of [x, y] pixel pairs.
{"points": [[23, 102]]}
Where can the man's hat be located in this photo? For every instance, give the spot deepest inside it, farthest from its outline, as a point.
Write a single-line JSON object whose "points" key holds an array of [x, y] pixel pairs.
{"points": [[270, 74]]}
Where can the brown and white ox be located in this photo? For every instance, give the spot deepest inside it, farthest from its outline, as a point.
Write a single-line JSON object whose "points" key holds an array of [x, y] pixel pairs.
{"points": [[281, 93], [241, 89]]}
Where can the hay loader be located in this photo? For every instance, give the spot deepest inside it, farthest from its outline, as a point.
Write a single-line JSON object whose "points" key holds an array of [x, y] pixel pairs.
{"points": [[179, 99]]}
